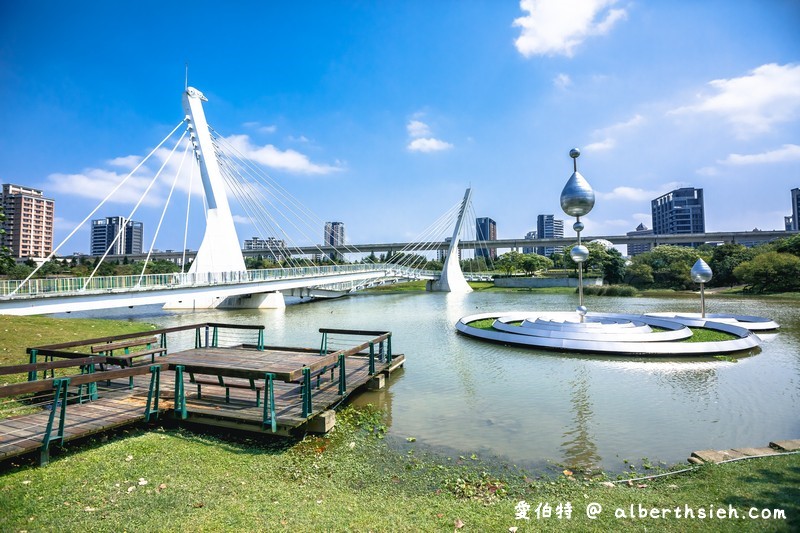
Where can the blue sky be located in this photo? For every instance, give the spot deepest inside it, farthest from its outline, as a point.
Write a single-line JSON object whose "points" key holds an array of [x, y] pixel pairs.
{"points": [[380, 114]]}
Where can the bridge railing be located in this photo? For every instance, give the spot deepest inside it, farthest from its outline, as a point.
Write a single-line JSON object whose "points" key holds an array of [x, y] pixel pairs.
{"points": [[43, 287]]}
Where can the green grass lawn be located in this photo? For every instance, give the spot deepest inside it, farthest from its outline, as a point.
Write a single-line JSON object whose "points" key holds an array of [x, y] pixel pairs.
{"points": [[351, 480]]}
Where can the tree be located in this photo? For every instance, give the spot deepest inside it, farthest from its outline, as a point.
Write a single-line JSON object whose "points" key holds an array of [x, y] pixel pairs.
{"points": [[509, 262], [789, 245], [532, 263], [434, 265], [639, 274], [671, 266], [477, 264], [770, 272], [724, 259], [6, 261]]}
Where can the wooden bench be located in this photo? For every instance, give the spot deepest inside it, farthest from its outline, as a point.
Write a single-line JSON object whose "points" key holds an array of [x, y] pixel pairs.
{"points": [[227, 384], [128, 356]]}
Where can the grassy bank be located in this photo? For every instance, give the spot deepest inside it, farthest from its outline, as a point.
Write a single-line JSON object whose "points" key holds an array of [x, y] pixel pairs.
{"points": [[171, 479], [174, 479]]}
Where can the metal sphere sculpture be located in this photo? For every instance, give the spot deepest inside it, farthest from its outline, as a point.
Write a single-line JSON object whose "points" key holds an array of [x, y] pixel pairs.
{"points": [[701, 273], [577, 200]]}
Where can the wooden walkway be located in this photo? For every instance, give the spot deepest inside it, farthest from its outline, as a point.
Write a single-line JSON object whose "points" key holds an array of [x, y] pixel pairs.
{"points": [[271, 390]]}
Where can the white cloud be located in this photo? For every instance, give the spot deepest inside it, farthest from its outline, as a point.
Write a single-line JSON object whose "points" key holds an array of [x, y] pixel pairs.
{"points": [[417, 128], [634, 194], [753, 104], [600, 146], [270, 156], [609, 134], [129, 161], [786, 153], [557, 27], [239, 219], [97, 183], [428, 145], [421, 137], [562, 81]]}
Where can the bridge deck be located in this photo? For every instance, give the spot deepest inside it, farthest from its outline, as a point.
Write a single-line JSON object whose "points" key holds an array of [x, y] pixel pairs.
{"points": [[118, 404]]}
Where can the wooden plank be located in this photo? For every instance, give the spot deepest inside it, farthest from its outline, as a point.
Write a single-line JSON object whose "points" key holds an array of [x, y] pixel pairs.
{"points": [[46, 385], [132, 343], [20, 369]]}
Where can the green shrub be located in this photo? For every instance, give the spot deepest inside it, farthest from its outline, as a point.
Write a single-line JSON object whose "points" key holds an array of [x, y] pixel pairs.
{"points": [[610, 290]]}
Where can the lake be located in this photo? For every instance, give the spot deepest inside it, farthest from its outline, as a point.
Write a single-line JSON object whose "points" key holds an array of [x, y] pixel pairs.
{"points": [[463, 396]]}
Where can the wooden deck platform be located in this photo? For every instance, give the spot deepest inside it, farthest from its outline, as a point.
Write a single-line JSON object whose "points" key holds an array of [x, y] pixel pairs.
{"points": [[271, 390]]}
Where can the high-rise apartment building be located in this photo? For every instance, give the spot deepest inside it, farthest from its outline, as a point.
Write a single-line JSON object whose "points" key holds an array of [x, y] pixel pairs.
{"points": [[334, 236], [639, 248], [549, 227], [486, 230], [117, 235], [529, 249], [679, 211], [794, 223], [29, 221]]}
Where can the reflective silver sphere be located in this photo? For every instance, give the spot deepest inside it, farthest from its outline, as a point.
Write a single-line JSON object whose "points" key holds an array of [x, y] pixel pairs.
{"points": [[579, 253], [577, 198], [701, 272], [574, 153], [581, 309], [578, 226]]}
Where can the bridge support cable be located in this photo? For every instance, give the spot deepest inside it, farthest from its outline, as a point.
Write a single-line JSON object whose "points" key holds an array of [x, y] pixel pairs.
{"points": [[430, 238], [133, 211], [265, 185], [188, 208], [163, 212], [487, 259], [252, 200], [92, 213], [278, 195]]}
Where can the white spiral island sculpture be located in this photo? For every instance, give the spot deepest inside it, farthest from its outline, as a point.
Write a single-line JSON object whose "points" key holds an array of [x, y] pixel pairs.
{"points": [[653, 334]]}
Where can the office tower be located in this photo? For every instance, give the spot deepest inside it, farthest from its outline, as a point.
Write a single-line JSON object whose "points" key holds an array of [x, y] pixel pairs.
{"points": [[678, 212], [549, 227], [486, 230], [29, 221], [334, 236], [117, 235]]}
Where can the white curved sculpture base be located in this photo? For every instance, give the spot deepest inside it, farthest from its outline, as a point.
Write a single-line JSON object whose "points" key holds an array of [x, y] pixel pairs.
{"points": [[618, 334]]}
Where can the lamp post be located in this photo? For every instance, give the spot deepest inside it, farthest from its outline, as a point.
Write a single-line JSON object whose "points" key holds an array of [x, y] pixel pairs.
{"points": [[577, 199], [701, 273]]}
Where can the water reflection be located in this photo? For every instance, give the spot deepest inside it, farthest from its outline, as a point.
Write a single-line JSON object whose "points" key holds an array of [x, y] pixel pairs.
{"points": [[579, 448]]}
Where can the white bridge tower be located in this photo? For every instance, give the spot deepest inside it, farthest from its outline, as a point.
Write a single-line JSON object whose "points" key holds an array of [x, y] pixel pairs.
{"points": [[452, 279], [220, 252]]}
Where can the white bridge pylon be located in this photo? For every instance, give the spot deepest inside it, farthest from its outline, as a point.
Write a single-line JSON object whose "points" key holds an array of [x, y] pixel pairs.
{"points": [[219, 250], [452, 279]]}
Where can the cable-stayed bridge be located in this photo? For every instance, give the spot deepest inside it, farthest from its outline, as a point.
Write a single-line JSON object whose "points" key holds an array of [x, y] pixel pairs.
{"points": [[218, 276]]}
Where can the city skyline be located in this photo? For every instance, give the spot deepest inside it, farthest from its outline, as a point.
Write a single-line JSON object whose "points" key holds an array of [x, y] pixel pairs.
{"points": [[408, 104]]}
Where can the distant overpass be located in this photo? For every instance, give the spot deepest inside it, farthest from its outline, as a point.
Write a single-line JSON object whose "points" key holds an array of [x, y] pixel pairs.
{"points": [[740, 237]]}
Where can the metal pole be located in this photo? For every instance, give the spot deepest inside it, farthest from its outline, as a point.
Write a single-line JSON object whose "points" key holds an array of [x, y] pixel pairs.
{"points": [[703, 300]]}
